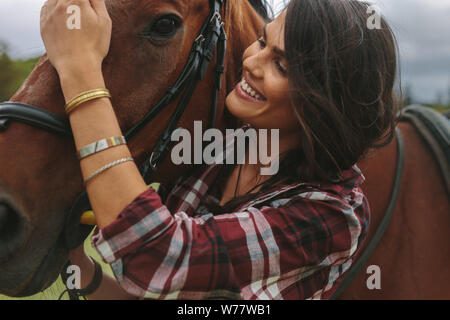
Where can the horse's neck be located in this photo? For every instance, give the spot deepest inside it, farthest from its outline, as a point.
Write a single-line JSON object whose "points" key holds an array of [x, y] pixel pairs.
{"points": [[243, 26]]}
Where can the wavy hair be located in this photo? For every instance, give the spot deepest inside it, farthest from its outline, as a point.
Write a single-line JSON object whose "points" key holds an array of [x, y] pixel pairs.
{"points": [[341, 75]]}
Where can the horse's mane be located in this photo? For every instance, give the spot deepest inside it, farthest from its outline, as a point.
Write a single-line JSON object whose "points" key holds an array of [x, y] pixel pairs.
{"points": [[235, 14]]}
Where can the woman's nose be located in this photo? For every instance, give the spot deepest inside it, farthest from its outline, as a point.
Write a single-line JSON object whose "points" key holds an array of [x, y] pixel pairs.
{"points": [[254, 63], [254, 66]]}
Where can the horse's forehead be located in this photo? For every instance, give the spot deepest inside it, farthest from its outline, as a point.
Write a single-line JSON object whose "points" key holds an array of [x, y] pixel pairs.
{"points": [[181, 6]]}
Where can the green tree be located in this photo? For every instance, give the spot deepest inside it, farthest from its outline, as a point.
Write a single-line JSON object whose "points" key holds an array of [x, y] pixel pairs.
{"points": [[8, 77], [407, 95], [12, 72]]}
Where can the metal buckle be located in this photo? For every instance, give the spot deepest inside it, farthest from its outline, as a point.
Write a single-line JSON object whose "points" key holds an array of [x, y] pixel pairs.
{"points": [[200, 39], [153, 160], [216, 15]]}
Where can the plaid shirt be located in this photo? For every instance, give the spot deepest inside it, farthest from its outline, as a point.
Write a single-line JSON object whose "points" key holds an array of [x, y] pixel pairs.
{"points": [[291, 242]]}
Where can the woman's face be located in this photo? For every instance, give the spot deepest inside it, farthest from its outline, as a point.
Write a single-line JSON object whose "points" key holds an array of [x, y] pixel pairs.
{"points": [[261, 99]]}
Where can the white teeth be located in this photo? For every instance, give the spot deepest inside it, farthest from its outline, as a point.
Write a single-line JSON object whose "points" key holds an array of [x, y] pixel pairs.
{"points": [[246, 87]]}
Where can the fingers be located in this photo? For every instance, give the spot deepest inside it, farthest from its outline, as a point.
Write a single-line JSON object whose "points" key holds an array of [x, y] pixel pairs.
{"points": [[100, 7], [50, 5], [44, 9]]}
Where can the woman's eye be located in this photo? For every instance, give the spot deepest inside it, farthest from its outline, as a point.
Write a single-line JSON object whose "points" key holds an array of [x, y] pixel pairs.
{"points": [[262, 43], [163, 28], [280, 67]]}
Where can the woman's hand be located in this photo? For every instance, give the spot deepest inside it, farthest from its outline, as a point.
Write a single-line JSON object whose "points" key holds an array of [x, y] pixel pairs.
{"points": [[76, 50]]}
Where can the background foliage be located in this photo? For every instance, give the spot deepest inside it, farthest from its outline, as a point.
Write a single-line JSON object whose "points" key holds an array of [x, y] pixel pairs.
{"points": [[12, 72]]}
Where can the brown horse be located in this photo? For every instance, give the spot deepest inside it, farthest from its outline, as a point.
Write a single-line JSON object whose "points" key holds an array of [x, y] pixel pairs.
{"points": [[413, 255], [40, 175]]}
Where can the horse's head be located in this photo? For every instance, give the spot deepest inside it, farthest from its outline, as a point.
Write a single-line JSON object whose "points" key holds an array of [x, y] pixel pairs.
{"points": [[40, 175]]}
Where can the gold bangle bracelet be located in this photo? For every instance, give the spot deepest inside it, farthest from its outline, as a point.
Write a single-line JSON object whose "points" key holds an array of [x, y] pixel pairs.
{"points": [[85, 97]]}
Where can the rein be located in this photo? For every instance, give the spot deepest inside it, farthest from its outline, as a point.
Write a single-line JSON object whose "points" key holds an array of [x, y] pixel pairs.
{"points": [[356, 268], [211, 39]]}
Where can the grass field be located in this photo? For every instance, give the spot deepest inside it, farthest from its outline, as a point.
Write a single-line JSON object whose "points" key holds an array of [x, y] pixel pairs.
{"points": [[440, 108], [53, 292]]}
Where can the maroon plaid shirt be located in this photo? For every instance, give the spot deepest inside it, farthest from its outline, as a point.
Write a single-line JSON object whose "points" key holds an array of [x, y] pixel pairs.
{"points": [[292, 242]]}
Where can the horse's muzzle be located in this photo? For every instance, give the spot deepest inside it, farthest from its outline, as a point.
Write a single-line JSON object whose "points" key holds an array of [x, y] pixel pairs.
{"points": [[13, 229], [26, 269]]}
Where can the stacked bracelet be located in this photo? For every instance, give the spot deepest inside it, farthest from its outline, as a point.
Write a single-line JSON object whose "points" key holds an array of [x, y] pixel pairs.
{"points": [[96, 280], [75, 294], [108, 166], [99, 146], [85, 97]]}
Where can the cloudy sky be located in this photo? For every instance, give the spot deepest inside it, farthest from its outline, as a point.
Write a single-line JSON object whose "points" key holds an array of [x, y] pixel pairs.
{"points": [[421, 26]]}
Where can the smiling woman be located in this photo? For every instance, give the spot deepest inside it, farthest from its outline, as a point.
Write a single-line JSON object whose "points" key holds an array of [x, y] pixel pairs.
{"points": [[309, 217], [329, 96], [217, 231]]}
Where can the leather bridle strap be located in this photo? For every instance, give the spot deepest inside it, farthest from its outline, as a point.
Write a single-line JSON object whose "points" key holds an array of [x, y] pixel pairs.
{"points": [[33, 116], [356, 268], [212, 36]]}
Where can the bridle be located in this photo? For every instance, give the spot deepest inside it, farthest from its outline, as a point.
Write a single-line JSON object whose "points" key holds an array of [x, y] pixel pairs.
{"points": [[211, 39]]}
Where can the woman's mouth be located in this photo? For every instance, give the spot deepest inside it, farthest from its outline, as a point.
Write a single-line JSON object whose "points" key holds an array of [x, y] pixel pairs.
{"points": [[246, 91]]}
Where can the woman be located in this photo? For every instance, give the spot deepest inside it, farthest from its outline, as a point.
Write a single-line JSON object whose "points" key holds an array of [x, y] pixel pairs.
{"points": [[321, 77]]}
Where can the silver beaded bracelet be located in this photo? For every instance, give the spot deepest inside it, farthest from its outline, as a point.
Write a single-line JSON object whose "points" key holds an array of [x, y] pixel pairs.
{"points": [[100, 145], [106, 167]]}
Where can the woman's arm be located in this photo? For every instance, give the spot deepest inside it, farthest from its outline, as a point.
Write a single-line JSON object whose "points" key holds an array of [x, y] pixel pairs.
{"points": [[112, 190], [77, 56], [290, 249]]}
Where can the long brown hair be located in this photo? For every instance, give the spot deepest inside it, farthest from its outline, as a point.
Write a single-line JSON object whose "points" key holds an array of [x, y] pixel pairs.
{"points": [[343, 74], [341, 77]]}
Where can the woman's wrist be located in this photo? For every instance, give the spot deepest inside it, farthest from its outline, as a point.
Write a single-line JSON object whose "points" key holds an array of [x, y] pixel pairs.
{"points": [[74, 82], [86, 265]]}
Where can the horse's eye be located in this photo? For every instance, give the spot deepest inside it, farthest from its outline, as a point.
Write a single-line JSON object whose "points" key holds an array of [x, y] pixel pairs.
{"points": [[163, 28]]}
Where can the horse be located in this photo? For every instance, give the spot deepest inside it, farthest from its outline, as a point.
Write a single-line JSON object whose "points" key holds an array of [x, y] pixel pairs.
{"points": [[152, 41], [40, 204], [413, 254]]}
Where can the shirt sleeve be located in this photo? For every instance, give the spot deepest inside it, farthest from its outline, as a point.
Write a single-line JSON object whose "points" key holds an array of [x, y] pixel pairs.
{"points": [[294, 248]]}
